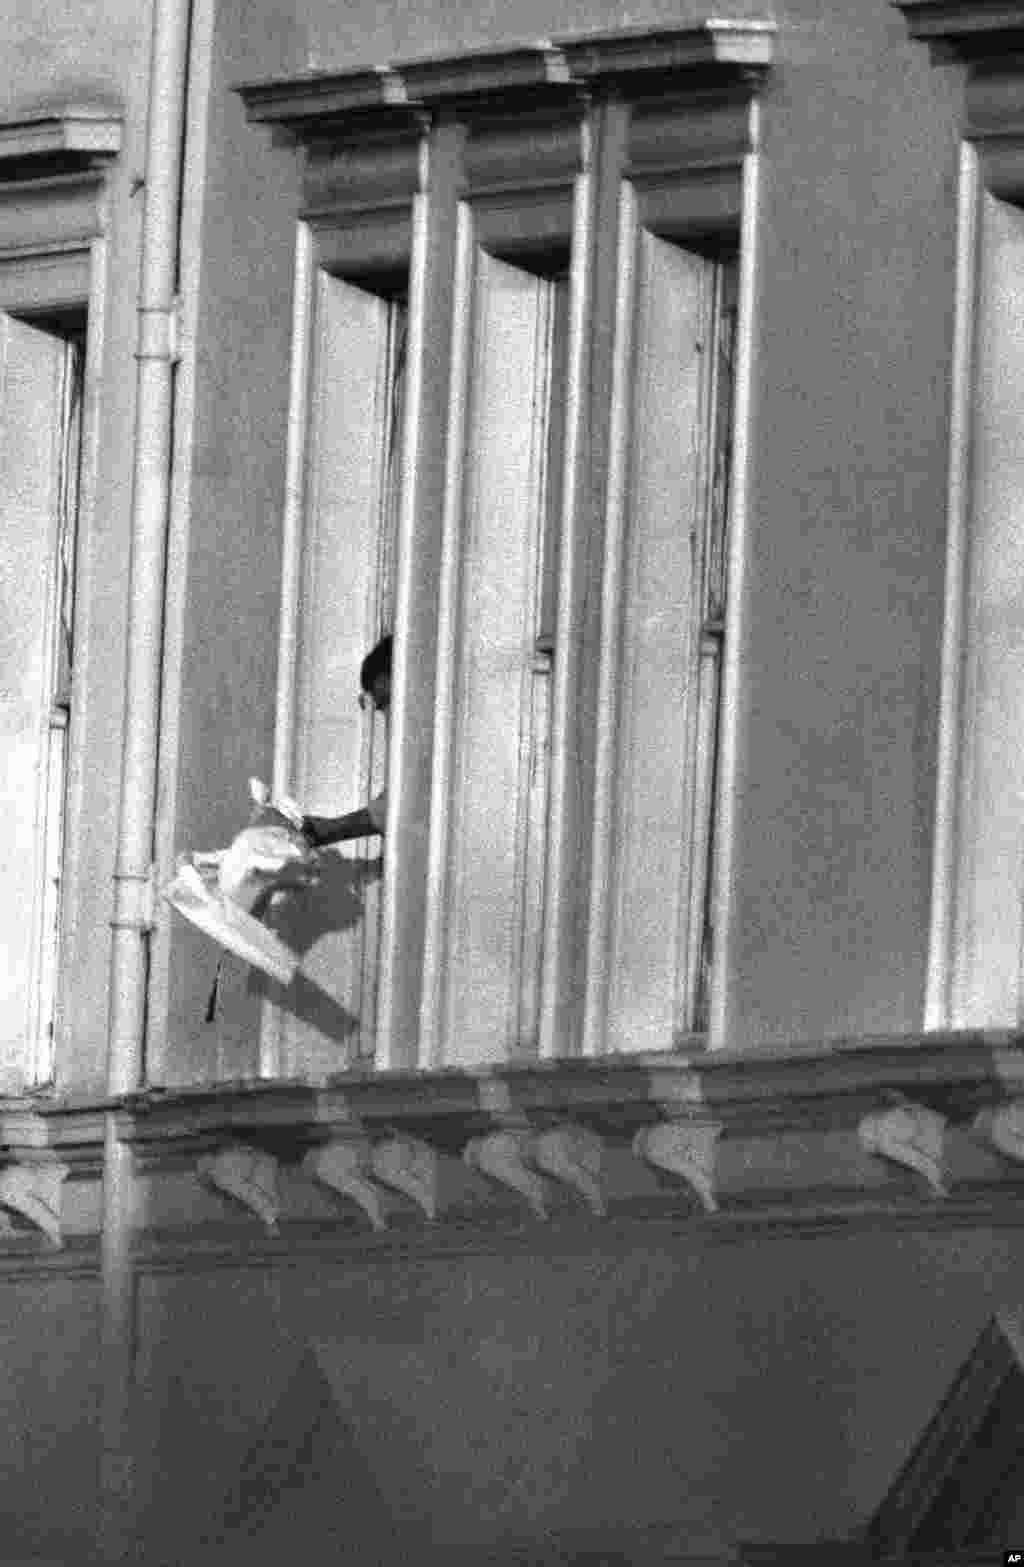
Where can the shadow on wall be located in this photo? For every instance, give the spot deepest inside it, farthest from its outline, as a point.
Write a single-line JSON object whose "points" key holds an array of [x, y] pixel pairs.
{"points": [[327, 919]]}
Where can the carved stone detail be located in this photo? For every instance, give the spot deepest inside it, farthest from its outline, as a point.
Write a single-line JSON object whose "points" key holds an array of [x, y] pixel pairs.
{"points": [[247, 1174], [1003, 1127], [572, 1155], [34, 1192], [686, 1149], [502, 1156], [346, 1167], [910, 1135], [410, 1167]]}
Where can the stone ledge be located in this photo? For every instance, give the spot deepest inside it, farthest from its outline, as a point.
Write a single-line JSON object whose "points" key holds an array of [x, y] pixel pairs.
{"points": [[65, 139], [501, 1230], [771, 1090], [922, 1129], [713, 53]]}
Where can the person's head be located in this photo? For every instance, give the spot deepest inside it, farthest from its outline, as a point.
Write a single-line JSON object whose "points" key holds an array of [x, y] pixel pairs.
{"points": [[375, 676]]}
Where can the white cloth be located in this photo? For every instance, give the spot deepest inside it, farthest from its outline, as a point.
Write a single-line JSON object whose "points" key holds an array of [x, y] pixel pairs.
{"points": [[216, 891]]}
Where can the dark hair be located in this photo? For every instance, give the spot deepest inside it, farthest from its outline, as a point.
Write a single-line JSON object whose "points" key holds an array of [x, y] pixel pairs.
{"points": [[377, 662]]}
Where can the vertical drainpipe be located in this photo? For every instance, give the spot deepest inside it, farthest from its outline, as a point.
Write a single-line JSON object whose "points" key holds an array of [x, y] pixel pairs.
{"points": [[133, 890]]}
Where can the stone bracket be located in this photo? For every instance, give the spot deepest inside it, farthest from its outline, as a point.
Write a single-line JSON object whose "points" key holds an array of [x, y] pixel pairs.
{"points": [[519, 1159], [249, 1176], [409, 1166], [34, 1192], [573, 1155], [910, 1135], [345, 1166], [502, 1157], [1003, 1127], [686, 1149]]}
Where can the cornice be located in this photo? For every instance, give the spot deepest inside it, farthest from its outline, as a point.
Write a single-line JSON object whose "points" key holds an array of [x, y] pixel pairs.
{"points": [[714, 53], [928, 1129], [973, 31], [920, 1131], [792, 1087], [41, 1128], [57, 141]]}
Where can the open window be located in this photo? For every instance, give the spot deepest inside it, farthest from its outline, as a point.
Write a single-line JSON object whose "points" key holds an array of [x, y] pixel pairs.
{"points": [[562, 575], [353, 488]]}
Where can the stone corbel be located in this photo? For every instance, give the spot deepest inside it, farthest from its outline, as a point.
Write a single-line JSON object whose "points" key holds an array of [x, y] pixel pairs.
{"points": [[346, 1166], [686, 1149], [910, 1135], [1003, 1127], [34, 1192], [408, 1166], [247, 1174], [572, 1155], [519, 1158], [502, 1157]]}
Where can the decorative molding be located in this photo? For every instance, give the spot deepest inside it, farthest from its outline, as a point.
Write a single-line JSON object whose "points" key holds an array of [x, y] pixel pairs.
{"points": [[365, 1135], [409, 1166], [345, 1166], [502, 1157], [247, 1174], [910, 1135], [527, 152], [968, 30], [525, 130], [731, 48], [573, 1155], [34, 1127], [372, 177], [59, 140], [34, 1192], [519, 1159], [52, 167], [1003, 1127], [994, 131], [686, 1149], [715, 53], [49, 216], [772, 1090]]}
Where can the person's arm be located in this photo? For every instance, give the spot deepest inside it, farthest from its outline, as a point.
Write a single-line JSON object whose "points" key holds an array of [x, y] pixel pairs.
{"points": [[324, 830]]}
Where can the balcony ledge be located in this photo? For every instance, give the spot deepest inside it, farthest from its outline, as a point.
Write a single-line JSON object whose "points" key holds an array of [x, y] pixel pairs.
{"points": [[920, 1131]]}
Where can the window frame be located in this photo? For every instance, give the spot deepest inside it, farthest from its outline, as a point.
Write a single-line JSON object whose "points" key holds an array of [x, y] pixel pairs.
{"points": [[991, 168], [511, 140], [54, 169]]}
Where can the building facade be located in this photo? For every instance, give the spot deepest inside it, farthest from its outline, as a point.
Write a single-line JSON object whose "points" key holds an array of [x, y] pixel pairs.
{"points": [[633, 1160]]}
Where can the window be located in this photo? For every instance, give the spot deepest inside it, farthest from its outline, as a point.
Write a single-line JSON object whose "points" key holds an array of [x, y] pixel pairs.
{"points": [[493, 761], [976, 967], [353, 490], [53, 179], [41, 383], [530, 263], [989, 907]]}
